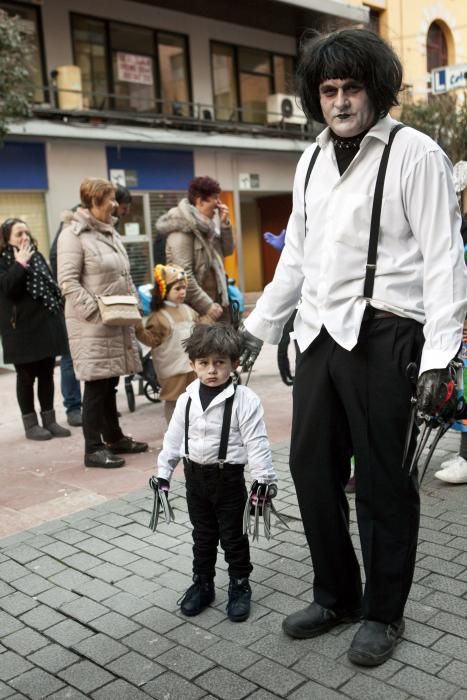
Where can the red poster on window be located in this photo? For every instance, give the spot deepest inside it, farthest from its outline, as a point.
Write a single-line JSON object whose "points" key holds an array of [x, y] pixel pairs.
{"points": [[132, 68]]}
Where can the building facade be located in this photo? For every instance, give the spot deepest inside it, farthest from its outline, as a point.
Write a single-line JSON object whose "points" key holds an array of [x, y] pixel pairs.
{"points": [[152, 93]]}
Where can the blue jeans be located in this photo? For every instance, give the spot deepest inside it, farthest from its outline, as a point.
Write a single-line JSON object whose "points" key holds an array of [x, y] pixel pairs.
{"points": [[70, 387]]}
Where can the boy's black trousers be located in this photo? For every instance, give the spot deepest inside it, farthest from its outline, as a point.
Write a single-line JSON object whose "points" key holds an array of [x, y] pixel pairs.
{"points": [[358, 402], [216, 500]]}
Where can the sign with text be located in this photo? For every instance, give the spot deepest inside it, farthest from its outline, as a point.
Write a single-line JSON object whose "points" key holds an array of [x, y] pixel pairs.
{"points": [[448, 78], [132, 68], [248, 181]]}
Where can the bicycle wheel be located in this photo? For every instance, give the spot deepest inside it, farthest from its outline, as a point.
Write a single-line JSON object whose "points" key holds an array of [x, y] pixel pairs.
{"points": [[130, 394], [152, 392]]}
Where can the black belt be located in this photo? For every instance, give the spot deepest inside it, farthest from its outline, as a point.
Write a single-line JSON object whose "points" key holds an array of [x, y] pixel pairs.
{"points": [[214, 465], [372, 314]]}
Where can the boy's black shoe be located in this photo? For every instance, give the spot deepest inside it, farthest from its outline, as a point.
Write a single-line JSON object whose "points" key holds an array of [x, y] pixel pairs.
{"points": [[315, 620], [238, 605], [374, 642], [199, 595]]}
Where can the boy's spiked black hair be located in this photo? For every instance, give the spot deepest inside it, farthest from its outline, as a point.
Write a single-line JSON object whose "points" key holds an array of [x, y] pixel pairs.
{"points": [[213, 340], [359, 54]]}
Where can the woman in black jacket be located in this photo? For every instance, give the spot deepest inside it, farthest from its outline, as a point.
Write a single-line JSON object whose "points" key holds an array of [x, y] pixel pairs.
{"points": [[32, 326]]}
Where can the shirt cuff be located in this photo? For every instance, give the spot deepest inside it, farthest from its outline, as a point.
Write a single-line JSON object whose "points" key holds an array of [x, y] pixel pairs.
{"points": [[435, 359], [268, 331]]}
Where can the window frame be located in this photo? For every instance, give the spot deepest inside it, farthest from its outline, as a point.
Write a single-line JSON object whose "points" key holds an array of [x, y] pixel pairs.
{"points": [[109, 51], [46, 88], [235, 52]]}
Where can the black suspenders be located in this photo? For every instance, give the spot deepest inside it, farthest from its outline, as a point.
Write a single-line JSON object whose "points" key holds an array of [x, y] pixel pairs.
{"points": [[375, 212], [225, 430]]}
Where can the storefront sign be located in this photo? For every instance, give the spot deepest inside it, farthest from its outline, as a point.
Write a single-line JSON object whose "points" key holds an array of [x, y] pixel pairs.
{"points": [[448, 78], [249, 181], [132, 68]]}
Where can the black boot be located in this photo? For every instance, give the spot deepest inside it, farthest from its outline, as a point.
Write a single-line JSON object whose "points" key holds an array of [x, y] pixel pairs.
{"points": [[238, 605], [374, 642], [49, 422], [104, 458], [199, 595], [33, 430], [315, 620]]}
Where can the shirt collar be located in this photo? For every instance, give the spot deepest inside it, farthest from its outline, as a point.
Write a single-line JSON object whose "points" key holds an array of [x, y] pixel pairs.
{"points": [[193, 391], [381, 130]]}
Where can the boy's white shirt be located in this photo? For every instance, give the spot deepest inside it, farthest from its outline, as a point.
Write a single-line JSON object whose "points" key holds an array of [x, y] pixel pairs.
{"points": [[248, 440]]}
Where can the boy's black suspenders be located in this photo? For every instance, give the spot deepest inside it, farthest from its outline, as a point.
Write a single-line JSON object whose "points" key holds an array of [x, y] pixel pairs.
{"points": [[375, 212], [225, 430]]}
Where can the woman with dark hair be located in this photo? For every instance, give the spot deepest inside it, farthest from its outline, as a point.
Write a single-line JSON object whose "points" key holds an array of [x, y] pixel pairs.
{"points": [[32, 327], [199, 236], [92, 261]]}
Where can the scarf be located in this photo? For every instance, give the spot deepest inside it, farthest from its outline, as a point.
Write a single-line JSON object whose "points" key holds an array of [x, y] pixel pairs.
{"points": [[208, 229], [40, 284]]}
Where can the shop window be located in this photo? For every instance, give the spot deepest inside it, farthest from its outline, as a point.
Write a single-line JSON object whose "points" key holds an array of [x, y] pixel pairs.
{"points": [[436, 47], [90, 52], [173, 71], [30, 207], [29, 24], [133, 67], [243, 78]]}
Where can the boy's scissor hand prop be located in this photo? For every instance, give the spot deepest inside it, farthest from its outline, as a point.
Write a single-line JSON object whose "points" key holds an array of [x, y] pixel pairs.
{"points": [[436, 405], [260, 505], [161, 502]]}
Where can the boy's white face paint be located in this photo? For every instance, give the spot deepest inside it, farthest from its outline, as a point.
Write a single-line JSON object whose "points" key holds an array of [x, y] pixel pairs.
{"points": [[213, 370]]}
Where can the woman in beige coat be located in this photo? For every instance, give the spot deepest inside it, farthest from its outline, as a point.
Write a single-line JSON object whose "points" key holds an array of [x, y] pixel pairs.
{"points": [[92, 261]]}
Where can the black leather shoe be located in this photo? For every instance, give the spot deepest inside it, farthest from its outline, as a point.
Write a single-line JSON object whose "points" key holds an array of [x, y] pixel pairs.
{"points": [[315, 620], [199, 595], [103, 459], [238, 606], [126, 445], [374, 642]]}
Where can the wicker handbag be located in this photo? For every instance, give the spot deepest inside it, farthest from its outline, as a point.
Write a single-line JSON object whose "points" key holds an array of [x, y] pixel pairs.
{"points": [[119, 310]]}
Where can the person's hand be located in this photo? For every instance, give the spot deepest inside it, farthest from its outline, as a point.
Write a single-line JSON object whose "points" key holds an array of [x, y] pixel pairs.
{"points": [[24, 253], [251, 347], [437, 393], [215, 311], [277, 241], [224, 213]]}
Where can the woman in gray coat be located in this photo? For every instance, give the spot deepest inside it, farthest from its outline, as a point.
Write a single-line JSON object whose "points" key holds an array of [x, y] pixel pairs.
{"points": [[92, 261]]}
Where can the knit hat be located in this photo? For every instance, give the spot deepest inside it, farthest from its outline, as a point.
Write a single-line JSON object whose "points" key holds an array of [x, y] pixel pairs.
{"points": [[166, 275]]}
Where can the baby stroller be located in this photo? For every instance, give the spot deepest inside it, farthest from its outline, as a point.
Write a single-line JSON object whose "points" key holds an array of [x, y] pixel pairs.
{"points": [[147, 382]]}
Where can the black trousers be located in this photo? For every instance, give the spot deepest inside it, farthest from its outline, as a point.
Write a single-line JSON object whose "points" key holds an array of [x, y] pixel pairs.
{"points": [[216, 499], [26, 375], [358, 402], [100, 416]]}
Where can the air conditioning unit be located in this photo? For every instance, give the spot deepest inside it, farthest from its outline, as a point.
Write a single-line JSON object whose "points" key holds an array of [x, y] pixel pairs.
{"points": [[283, 109]]}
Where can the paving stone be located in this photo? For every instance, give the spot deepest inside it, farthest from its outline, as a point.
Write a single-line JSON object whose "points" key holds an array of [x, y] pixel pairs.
{"points": [[108, 572], [437, 550], [131, 544], [146, 568], [36, 684], [93, 545], [104, 532], [420, 633], [120, 690], [41, 617], [450, 623], [12, 665], [115, 625], [313, 691], [455, 672], [452, 646], [170, 685], [96, 590], [67, 693], [9, 624], [113, 519], [45, 566], [148, 643], [175, 580], [421, 612], [55, 597], [323, 670], [126, 604], [70, 535], [5, 589], [422, 684], [84, 609], [70, 579], [22, 553], [185, 662], [225, 684], [69, 632], [82, 561], [138, 585], [32, 584], [434, 536], [280, 648], [281, 602], [24, 641], [136, 668], [193, 637], [293, 586], [5, 690], [158, 620], [233, 656], [420, 657], [59, 550], [362, 686], [447, 568], [120, 557], [10, 571], [445, 584], [448, 603], [53, 658], [100, 648], [17, 603], [86, 676], [244, 634]]}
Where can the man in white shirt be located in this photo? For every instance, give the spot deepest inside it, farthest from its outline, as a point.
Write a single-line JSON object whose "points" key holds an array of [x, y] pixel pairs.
{"points": [[357, 336]]}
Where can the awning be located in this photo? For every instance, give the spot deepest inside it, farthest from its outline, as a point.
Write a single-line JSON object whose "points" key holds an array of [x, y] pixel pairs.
{"points": [[332, 7]]}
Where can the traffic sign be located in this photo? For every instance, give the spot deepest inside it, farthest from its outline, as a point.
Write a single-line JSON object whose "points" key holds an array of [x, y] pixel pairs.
{"points": [[448, 78]]}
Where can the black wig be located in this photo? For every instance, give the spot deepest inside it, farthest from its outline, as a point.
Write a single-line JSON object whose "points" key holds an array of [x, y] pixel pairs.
{"points": [[359, 54]]}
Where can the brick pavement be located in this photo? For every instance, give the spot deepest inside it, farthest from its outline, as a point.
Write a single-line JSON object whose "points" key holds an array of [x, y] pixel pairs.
{"points": [[88, 609]]}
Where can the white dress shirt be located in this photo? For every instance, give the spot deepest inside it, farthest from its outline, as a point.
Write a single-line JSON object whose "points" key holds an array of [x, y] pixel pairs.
{"points": [[248, 440], [420, 272]]}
